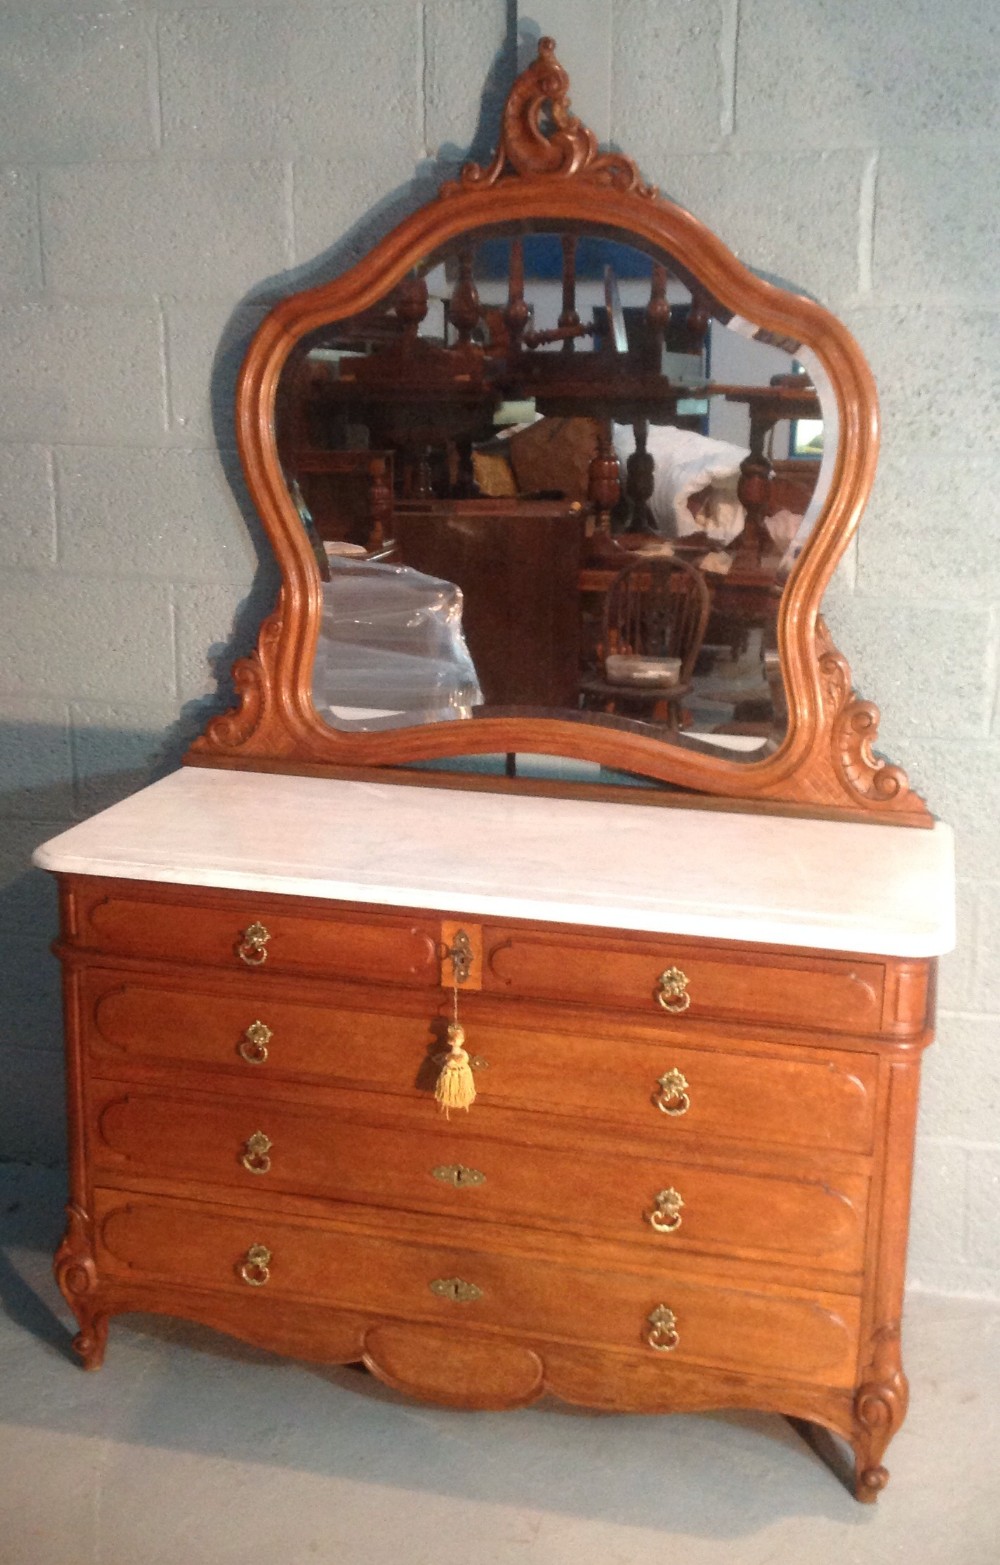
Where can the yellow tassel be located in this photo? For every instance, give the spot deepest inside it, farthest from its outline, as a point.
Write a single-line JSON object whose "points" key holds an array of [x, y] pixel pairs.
{"points": [[456, 1086]]}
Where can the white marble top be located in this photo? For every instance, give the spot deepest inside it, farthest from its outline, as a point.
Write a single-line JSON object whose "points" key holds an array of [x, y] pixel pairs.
{"points": [[838, 886]]}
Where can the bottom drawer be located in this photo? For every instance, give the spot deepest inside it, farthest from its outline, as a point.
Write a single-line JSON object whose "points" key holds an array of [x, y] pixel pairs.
{"points": [[781, 1333]]}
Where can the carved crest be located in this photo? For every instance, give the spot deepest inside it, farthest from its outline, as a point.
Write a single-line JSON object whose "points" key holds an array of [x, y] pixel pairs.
{"points": [[539, 135]]}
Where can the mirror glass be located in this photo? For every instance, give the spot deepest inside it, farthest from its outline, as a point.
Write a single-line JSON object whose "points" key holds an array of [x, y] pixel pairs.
{"points": [[548, 474]]}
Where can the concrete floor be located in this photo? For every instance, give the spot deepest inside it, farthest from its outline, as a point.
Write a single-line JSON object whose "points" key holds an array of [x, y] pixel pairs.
{"points": [[191, 1449]]}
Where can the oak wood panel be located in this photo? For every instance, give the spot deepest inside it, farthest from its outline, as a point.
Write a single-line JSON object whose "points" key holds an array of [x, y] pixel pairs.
{"points": [[594, 1251], [205, 929], [780, 1332], [725, 983], [134, 1016], [780, 1097], [446, 1365], [204, 1140]]}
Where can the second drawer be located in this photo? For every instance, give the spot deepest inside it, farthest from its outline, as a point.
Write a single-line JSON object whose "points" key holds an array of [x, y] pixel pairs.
{"points": [[783, 1096]]}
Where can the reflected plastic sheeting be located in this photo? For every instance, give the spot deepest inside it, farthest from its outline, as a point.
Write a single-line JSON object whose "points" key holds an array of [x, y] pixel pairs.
{"points": [[391, 641]]}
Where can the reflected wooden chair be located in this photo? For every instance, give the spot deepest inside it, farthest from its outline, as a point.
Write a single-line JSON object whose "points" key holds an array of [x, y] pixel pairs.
{"points": [[654, 608]]}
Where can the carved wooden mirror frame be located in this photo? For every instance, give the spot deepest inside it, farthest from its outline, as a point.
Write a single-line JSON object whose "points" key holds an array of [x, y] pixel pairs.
{"points": [[548, 167]]}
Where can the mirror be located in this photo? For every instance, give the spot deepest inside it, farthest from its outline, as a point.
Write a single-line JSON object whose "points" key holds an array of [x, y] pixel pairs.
{"points": [[548, 475], [551, 477]]}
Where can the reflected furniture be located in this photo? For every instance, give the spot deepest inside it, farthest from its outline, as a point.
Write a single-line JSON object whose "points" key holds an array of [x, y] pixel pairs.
{"points": [[694, 1033], [655, 608], [517, 568], [792, 397]]}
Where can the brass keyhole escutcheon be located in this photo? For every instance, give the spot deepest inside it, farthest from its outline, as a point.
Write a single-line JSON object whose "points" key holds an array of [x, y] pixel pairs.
{"points": [[253, 1044], [455, 1289], [460, 955], [255, 1159], [672, 1097], [256, 1267], [662, 1335], [253, 942], [458, 1175], [671, 991], [666, 1214]]}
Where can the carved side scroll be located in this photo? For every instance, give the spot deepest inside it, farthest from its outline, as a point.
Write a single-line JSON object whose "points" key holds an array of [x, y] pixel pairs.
{"points": [[853, 727], [564, 147], [253, 681]]}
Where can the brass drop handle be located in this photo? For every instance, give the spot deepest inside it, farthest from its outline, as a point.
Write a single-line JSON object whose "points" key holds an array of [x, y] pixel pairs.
{"points": [[673, 1097], [255, 1159], [455, 1289], [253, 1045], [256, 1267], [251, 948], [671, 991], [662, 1335], [666, 1214]]}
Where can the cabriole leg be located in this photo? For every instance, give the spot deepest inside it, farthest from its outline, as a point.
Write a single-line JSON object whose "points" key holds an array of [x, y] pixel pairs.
{"points": [[879, 1409], [76, 1275]]}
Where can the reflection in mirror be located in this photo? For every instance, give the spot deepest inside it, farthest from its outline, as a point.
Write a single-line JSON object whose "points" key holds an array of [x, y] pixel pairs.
{"points": [[548, 474]]}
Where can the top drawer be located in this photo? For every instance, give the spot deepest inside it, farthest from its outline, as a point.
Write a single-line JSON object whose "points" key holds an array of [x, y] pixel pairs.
{"points": [[247, 933], [650, 975], [700, 980]]}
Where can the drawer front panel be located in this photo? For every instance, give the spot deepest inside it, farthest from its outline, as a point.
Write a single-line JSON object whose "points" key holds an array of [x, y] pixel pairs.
{"points": [[660, 1204], [805, 1098], [250, 938], [779, 1098], [137, 1019], [825, 993], [779, 1333]]}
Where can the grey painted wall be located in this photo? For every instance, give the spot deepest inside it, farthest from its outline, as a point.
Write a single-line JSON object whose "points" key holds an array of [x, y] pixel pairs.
{"points": [[169, 168]]}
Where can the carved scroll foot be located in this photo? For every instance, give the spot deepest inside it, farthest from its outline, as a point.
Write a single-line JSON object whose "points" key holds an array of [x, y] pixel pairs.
{"points": [[76, 1275], [869, 1482], [91, 1340], [879, 1408]]}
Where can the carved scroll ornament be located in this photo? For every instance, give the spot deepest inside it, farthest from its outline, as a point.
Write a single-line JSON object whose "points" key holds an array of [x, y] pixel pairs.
{"points": [[854, 731], [253, 680]]}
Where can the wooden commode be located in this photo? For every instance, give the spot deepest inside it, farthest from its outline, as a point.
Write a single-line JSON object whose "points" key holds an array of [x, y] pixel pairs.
{"points": [[688, 931], [683, 1182]]}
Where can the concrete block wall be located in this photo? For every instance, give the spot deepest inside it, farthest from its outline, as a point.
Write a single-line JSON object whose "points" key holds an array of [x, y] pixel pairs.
{"points": [[169, 168]]}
